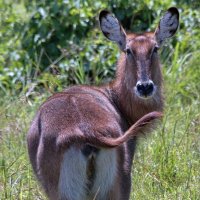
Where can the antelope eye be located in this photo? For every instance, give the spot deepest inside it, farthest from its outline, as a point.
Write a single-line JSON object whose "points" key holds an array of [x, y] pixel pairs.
{"points": [[128, 51]]}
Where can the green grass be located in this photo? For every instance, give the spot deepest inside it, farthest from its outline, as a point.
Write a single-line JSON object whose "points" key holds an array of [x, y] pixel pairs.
{"points": [[166, 165], [16, 177]]}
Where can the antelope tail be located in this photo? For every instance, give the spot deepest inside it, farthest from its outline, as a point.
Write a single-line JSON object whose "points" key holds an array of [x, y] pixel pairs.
{"points": [[65, 140]]}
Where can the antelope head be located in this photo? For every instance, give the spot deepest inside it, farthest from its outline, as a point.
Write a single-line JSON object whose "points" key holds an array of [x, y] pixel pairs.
{"points": [[139, 51]]}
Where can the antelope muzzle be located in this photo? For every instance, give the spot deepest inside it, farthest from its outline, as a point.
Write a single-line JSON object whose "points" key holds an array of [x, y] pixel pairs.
{"points": [[145, 89]]}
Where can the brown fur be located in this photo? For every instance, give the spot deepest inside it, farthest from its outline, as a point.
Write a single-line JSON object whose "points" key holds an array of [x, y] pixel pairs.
{"points": [[111, 116]]}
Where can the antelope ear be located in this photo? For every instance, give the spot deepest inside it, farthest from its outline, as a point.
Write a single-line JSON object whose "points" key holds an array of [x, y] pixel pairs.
{"points": [[168, 25], [112, 29]]}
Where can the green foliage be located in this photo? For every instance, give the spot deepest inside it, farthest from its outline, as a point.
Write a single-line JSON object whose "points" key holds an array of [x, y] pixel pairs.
{"points": [[46, 40], [53, 24], [11, 69]]}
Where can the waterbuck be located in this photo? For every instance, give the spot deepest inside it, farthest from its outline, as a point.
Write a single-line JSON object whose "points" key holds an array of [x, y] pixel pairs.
{"points": [[81, 142]]}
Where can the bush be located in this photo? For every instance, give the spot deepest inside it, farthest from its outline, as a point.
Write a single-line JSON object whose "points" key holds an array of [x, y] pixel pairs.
{"points": [[41, 39]]}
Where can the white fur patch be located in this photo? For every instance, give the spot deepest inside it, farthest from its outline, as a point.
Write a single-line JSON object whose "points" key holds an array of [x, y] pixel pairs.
{"points": [[73, 177], [72, 180], [106, 171]]}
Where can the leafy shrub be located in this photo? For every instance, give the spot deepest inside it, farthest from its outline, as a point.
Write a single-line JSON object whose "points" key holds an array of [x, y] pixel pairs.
{"points": [[41, 39]]}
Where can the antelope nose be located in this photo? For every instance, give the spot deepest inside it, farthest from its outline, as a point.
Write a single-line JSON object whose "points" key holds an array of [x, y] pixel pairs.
{"points": [[145, 88]]}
